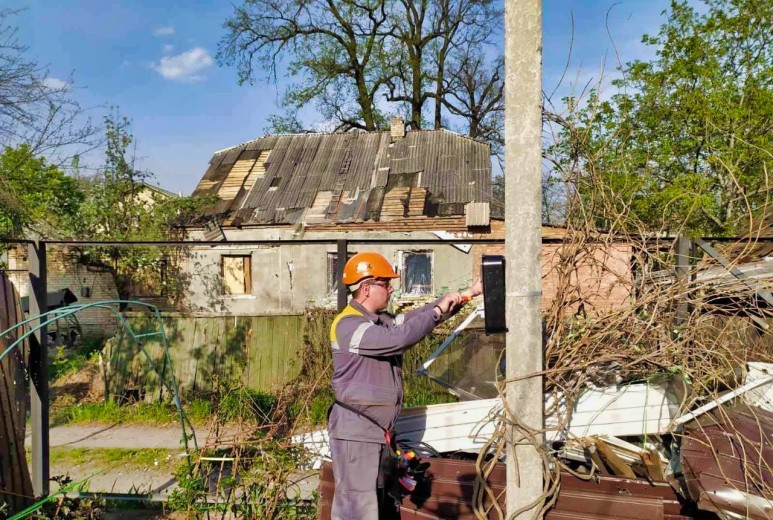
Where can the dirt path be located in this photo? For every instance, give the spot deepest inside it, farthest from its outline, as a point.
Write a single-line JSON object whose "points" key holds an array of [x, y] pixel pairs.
{"points": [[148, 477], [155, 475], [113, 436]]}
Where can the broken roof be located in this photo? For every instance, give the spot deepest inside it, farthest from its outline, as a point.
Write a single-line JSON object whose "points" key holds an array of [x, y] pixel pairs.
{"points": [[347, 177]]}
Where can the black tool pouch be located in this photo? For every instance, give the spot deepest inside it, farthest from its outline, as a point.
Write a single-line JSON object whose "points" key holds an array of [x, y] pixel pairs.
{"points": [[389, 472]]}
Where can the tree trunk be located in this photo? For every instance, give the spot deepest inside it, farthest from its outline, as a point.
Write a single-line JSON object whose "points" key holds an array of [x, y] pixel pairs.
{"points": [[366, 102], [15, 482]]}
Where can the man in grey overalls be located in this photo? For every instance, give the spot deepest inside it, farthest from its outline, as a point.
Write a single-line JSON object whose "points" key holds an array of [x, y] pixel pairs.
{"points": [[368, 379]]}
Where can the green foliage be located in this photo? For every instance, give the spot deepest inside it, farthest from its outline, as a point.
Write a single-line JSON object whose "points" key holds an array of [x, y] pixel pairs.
{"points": [[240, 403], [58, 505], [68, 361], [112, 457], [252, 484], [120, 205], [687, 140], [34, 195]]}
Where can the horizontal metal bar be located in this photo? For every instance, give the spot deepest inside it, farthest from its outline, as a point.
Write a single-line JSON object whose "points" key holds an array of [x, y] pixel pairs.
{"points": [[545, 240], [147, 334], [282, 242]]}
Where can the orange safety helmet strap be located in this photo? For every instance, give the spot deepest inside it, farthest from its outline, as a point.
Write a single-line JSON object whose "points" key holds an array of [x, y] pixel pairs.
{"points": [[367, 265]]}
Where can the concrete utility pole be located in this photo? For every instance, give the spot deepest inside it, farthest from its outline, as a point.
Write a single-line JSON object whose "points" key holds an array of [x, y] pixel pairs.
{"points": [[523, 241]]}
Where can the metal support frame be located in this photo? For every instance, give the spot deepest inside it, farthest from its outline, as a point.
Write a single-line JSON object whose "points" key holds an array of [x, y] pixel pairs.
{"points": [[343, 253], [38, 369], [764, 294]]}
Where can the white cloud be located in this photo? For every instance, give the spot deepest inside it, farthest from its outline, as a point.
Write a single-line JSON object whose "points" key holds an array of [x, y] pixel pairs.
{"points": [[166, 30], [186, 66], [168, 49], [55, 83]]}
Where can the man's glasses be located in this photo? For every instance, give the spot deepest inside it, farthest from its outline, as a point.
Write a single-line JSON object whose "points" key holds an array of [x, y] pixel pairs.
{"points": [[381, 283]]}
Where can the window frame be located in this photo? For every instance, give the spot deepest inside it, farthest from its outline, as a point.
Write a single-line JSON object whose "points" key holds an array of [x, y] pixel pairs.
{"points": [[246, 270], [402, 256]]}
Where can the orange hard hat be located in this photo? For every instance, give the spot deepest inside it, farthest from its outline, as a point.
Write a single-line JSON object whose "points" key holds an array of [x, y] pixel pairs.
{"points": [[367, 265]]}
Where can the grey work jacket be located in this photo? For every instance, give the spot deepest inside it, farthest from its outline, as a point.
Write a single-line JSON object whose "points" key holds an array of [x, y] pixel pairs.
{"points": [[367, 367]]}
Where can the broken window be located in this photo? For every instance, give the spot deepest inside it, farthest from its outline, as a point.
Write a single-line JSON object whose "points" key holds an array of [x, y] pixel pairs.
{"points": [[416, 272], [332, 270], [237, 278]]}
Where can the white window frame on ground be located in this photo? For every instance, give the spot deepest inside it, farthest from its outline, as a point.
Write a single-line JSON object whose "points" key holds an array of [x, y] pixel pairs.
{"points": [[407, 280], [232, 274]]}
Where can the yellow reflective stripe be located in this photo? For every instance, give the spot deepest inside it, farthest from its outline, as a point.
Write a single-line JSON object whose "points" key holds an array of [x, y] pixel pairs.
{"points": [[348, 311]]}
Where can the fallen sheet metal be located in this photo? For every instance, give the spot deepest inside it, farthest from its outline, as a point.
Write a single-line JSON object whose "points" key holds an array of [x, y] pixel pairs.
{"points": [[464, 426], [448, 495], [607, 497], [727, 456], [761, 397], [617, 411], [631, 410]]}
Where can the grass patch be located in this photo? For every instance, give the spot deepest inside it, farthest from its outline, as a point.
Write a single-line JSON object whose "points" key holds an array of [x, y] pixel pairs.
{"points": [[152, 414], [125, 458], [67, 361]]}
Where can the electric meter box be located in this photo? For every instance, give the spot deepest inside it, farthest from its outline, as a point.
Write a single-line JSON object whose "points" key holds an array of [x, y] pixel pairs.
{"points": [[493, 276]]}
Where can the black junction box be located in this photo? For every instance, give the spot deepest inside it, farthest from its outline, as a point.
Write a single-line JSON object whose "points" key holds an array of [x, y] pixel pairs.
{"points": [[493, 275]]}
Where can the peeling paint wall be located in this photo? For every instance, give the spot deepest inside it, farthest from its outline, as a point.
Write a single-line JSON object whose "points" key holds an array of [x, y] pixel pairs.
{"points": [[287, 279]]}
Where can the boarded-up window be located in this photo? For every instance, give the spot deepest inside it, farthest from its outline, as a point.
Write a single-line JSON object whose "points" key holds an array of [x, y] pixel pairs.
{"points": [[237, 277], [416, 275], [332, 270]]}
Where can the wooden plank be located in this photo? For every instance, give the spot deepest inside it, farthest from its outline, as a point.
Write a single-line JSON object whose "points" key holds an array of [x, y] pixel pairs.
{"points": [[15, 483], [651, 460], [597, 460], [614, 462]]}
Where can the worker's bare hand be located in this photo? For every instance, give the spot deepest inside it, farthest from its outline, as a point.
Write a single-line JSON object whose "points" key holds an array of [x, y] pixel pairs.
{"points": [[449, 301], [475, 289]]}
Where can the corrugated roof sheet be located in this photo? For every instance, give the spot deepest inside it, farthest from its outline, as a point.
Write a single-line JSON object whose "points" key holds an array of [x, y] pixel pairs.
{"points": [[727, 460], [358, 169]]}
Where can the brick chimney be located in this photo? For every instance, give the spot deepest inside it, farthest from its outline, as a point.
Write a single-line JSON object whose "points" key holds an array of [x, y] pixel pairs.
{"points": [[398, 128]]}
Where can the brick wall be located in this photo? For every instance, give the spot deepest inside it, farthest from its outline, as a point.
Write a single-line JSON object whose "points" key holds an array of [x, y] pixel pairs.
{"points": [[599, 280], [65, 273]]}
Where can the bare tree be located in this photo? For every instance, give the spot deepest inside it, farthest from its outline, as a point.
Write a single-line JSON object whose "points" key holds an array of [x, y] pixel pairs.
{"points": [[427, 33], [35, 109], [474, 90], [335, 45]]}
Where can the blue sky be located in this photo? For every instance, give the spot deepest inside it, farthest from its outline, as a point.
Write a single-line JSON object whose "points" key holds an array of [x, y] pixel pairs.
{"points": [[155, 61]]}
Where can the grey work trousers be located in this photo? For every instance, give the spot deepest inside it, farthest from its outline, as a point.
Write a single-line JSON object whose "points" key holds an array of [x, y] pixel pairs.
{"points": [[355, 469]]}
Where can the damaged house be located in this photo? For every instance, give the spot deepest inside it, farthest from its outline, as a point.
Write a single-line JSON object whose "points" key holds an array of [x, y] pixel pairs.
{"points": [[357, 185], [390, 185]]}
